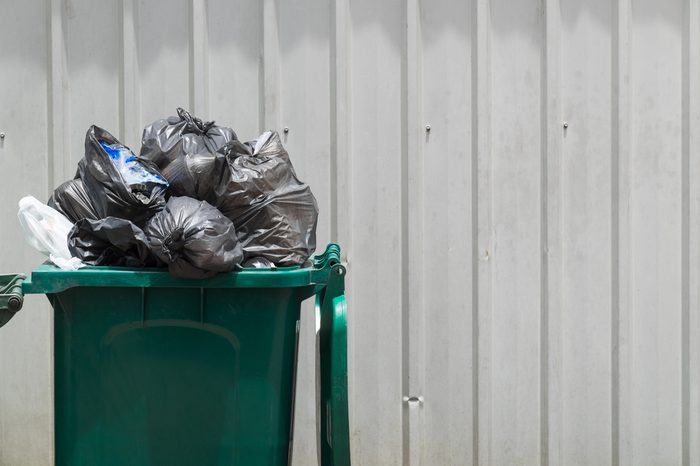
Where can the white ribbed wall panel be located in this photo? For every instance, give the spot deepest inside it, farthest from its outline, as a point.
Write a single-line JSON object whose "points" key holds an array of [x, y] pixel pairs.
{"points": [[529, 266]]}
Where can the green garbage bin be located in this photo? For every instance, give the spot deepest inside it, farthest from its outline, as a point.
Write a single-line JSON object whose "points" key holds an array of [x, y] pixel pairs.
{"points": [[155, 370]]}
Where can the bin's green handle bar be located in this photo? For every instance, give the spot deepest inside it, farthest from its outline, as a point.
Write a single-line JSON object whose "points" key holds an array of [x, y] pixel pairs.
{"points": [[334, 422], [11, 296]]}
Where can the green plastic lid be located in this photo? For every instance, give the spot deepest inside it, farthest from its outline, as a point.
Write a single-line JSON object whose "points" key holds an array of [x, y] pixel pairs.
{"points": [[48, 278]]}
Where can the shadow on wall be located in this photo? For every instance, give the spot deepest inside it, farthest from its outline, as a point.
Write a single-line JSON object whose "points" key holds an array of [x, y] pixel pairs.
{"points": [[164, 29], [572, 10], [165, 24]]}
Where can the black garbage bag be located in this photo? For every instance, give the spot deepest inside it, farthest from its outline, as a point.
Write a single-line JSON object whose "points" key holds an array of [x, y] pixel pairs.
{"points": [[184, 149], [116, 182], [274, 212], [111, 241], [194, 239], [72, 200]]}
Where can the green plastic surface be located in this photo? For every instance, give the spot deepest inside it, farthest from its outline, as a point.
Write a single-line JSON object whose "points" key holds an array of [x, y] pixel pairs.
{"points": [[48, 278], [11, 297], [153, 370], [332, 306]]}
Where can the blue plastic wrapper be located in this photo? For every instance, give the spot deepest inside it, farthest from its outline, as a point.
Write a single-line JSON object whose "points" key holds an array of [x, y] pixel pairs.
{"points": [[111, 182], [108, 180], [130, 168]]}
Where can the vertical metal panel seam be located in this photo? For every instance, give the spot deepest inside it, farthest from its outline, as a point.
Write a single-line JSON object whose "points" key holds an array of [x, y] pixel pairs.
{"points": [[57, 111], [413, 355], [614, 238], [261, 67], [271, 65], [190, 51], [551, 247], [404, 294], [129, 111], [620, 270], [692, 326], [404, 237], [123, 13], [334, 129], [475, 55], [482, 159], [199, 58], [50, 98], [544, 279], [686, 97]]}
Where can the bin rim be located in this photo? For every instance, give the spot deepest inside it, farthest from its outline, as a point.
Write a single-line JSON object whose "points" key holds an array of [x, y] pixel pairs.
{"points": [[47, 278]]}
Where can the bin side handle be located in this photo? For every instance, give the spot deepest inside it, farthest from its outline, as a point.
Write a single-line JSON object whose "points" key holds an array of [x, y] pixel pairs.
{"points": [[11, 296], [334, 423], [329, 258]]}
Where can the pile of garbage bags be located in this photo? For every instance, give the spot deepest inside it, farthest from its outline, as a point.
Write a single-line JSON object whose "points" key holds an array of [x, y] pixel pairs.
{"points": [[196, 200]]}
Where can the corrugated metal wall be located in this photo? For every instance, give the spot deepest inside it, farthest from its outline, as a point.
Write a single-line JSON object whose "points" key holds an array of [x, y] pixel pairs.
{"points": [[529, 266]]}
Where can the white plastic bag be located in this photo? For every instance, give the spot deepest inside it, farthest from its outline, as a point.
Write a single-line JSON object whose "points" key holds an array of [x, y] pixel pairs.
{"points": [[46, 230]]}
